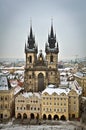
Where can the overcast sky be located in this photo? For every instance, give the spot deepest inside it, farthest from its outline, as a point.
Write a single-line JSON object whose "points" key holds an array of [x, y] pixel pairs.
{"points": [[69, 21]]}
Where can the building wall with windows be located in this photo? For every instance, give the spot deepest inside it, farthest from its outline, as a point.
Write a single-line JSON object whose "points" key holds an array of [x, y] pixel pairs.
{"points": [[60, 103], [6, 99], [54, 106], [28, 105], [73, 104], [81, 79], [6, 104], [52, 103]]}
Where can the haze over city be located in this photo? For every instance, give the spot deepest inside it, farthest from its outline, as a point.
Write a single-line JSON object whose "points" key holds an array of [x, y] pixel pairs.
{"points": [[69, 22]]}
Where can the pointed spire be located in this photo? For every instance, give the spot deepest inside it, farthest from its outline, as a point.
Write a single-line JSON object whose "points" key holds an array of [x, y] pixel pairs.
{"points": [[31, 32], [52, 34]]}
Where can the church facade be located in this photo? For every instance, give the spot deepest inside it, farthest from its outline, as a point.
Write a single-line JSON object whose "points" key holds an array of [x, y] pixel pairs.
{"points": [[41, 71]]}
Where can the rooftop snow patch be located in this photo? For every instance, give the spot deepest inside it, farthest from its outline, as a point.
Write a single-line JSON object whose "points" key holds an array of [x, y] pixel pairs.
{"points": [[30, 94], [52, 89]]}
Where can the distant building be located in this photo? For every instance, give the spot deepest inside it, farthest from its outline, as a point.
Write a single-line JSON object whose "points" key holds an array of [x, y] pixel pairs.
{"points": [[6, 99], [40, 71], [81, 79]]}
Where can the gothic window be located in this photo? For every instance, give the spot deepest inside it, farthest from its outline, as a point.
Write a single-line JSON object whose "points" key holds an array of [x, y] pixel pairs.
{"points": [[29, 76], [51, 58], [30, 59]]}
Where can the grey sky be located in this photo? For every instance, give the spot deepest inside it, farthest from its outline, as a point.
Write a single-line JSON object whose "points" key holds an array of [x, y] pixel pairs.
{"points": [[69, 20]]}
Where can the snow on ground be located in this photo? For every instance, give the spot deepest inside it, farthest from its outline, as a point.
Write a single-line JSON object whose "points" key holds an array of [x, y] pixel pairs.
{"points": [[61, 126]]}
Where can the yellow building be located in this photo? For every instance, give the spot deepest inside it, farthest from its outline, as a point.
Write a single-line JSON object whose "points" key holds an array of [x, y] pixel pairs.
{"points": [[28, 105], [81, 79], [6, 99], [53, 103], [59, 103]]}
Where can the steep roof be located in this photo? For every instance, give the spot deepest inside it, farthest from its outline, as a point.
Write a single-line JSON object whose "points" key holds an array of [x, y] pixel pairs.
{"points": [[4, 83]]}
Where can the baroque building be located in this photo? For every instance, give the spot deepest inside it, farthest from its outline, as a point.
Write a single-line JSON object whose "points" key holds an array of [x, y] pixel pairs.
{"points": [[40, 71], [53, 103], [28, 105]]}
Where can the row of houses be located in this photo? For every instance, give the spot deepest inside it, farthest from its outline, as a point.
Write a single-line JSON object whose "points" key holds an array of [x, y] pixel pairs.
{"points": [[52, 103]]}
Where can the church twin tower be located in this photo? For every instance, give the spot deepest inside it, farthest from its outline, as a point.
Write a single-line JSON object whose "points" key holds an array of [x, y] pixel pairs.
{"points": [[40, 71]]}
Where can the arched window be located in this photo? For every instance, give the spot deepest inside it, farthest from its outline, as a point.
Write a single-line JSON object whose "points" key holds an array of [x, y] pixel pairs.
{"points": [[51, 58], [30, 59]]}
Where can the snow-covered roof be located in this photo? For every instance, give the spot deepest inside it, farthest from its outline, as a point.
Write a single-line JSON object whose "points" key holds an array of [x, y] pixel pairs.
{"points": [[80, 74], [3, 83], [17, 90], [30, 94], [14, 83], [16, 68], [67, 69], [75, 86], [63, 74], [19, 72], [52, 89]]}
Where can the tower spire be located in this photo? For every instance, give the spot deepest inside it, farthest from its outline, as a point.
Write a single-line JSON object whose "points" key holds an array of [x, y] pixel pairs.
{"points": [[52, 34], [31, 32]]}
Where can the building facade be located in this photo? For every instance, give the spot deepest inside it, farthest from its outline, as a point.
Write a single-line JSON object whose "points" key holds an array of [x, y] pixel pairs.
{"points": [[81, 79], [40, 71], [6, 99], [59, 103], [53, 103], [28, 105]]}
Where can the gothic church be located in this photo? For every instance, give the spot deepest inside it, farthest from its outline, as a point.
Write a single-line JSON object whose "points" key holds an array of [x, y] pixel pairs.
{"points": [[40, 71]]}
